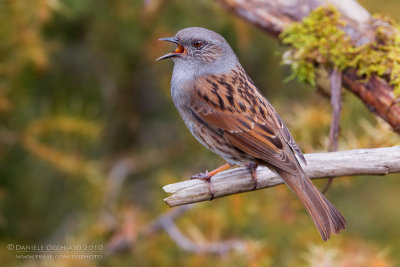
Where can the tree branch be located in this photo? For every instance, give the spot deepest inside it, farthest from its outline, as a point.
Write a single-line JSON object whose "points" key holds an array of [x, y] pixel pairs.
{"points": [[336, 103], [376, 161]]}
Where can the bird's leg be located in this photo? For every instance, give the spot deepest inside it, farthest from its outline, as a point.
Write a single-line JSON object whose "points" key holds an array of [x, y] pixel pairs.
{"points": [[206, 176], [253, 169]]}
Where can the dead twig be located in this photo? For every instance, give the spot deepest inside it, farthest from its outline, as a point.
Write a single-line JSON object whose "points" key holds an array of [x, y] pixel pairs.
{"points": [[167, 223], [125, 237], [336, 103]]}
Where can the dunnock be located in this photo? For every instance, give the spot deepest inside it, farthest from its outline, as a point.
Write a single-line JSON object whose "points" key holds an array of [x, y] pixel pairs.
{"points": [[224, 111]]}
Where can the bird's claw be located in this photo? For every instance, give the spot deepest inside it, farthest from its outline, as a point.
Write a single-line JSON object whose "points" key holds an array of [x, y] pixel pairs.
{"points": [[204, 176], [253, 170]]}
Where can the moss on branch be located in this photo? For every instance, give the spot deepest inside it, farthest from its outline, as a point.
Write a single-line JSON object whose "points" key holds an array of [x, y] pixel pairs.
{"points": [[319, 39]]}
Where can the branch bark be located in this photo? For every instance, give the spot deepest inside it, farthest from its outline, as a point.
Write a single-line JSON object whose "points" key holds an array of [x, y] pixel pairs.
{"points": [[273, 16], [376, 161]]}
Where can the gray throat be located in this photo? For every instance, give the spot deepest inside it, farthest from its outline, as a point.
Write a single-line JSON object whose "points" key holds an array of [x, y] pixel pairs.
{"points": [[187, 71]]}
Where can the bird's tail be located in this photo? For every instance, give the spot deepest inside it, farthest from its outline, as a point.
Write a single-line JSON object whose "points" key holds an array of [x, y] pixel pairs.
{"points": [[325, 216]]}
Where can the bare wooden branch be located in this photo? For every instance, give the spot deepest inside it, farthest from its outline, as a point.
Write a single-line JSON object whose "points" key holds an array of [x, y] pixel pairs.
{"points": [[128, 233], [164, 219], [273, 16], [376, 161], [167, 223], [336, 103]]}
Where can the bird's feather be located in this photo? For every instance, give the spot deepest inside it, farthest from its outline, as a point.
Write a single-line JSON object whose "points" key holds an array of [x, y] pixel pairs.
{"points": [[233, 103]]}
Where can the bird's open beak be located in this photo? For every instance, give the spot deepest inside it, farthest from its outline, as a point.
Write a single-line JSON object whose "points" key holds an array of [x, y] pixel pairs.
{"points": [[177, 52]]}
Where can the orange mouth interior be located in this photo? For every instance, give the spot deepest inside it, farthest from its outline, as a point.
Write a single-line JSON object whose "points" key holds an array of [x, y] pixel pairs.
{"points": [[179, 49]]}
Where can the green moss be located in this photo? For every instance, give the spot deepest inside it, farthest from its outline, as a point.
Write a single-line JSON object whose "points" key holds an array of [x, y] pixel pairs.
{"points": [[320, 40]]}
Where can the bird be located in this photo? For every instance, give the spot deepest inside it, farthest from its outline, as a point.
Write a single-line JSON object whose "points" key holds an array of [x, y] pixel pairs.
{"points": [[226, 113]]}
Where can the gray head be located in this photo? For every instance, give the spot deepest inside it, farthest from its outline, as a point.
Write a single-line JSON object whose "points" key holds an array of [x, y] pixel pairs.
{"points": [[199, 47]]}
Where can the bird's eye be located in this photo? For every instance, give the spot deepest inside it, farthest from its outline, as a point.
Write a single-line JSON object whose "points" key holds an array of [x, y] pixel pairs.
{"points": [[197, 44]]}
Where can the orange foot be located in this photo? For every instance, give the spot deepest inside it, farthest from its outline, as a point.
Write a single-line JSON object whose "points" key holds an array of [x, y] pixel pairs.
{"points": [[253, 169], [206, 176]]}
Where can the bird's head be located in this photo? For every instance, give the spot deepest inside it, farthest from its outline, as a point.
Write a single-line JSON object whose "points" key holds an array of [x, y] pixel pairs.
{"points": [[197, 46]]}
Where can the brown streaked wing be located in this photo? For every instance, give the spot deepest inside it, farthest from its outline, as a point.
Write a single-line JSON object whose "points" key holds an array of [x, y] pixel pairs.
{"points": [[287, 135], [240, 110]]}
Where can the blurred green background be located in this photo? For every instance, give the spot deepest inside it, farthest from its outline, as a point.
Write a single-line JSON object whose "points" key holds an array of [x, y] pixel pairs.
{"points": [[89, 135]]}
